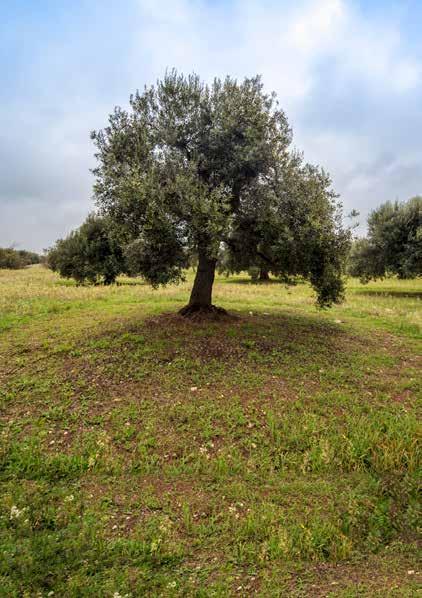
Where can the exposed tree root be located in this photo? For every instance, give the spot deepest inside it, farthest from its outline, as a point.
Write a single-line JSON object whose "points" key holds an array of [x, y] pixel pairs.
{"points": [[203, 312]]}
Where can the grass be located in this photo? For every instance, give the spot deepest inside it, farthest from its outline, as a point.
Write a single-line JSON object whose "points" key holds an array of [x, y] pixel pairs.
{"points": [[273, 454]]}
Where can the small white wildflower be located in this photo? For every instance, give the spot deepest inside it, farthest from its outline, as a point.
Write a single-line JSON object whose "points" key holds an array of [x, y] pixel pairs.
{"points": [[171, 584], [203, 450], [194, 388], [411, 572], [69, 498], [15, 513]]}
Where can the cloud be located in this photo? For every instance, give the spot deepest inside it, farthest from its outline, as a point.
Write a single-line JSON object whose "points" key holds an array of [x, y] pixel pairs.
{"points": [[348, 77]]}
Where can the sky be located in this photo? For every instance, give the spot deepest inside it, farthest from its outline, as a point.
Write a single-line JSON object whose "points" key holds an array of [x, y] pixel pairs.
{"points": [[348, 74]]}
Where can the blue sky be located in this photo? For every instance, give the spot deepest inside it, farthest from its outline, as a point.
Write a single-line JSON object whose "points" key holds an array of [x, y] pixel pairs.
{"points": [[347, 73]]}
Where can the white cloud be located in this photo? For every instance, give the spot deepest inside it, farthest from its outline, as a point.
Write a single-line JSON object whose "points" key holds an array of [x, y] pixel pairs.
{"points": [[316, 26]]}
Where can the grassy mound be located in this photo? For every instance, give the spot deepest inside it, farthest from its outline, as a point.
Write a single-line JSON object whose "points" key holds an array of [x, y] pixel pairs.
{"points": [[146, 454]]}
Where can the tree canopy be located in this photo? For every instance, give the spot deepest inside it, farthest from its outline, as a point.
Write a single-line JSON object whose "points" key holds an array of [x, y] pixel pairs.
{"points": [[88, 254], [191, 167], [393, 245]]}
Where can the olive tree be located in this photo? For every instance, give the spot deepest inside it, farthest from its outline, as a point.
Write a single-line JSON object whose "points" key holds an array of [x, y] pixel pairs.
{"points": [[88, 254], [393, 245], [192, 167]]}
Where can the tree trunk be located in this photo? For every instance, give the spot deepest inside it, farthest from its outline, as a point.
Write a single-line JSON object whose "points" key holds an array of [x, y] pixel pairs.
{"points": [[264, 275], [201, 295]]}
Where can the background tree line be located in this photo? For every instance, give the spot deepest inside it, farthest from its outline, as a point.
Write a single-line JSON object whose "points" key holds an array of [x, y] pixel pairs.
{"points": [[393, 246], [14, 259]]}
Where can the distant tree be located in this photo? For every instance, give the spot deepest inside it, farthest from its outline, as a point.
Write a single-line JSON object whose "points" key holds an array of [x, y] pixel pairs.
{"points": [[10, 259], [227, 265], [259, 274], [29, 257], [393, 245], [192, 167], [89, 254], [264, 275], [14, 259]]}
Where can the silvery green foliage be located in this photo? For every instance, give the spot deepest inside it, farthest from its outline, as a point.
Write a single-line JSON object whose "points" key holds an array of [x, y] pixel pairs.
{"points": [[393, 244], [90, 253], [192, 167]]}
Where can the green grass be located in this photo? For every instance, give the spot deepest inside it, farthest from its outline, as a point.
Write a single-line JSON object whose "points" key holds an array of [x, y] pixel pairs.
{"points": [[273, 454]]}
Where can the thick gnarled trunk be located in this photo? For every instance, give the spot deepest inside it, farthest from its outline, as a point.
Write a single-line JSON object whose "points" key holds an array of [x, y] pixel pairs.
{"points": [[201, 294], [264, 275]]}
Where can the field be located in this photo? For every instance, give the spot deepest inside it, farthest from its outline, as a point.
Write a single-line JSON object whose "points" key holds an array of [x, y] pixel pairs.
{"points": [[272, 454]]}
